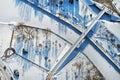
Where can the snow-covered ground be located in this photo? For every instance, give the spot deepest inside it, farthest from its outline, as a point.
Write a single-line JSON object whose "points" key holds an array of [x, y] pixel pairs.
{"points": [[35, 52]]}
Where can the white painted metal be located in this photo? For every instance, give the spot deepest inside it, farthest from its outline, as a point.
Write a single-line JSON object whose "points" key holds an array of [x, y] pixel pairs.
{"points": [[79, 40]]}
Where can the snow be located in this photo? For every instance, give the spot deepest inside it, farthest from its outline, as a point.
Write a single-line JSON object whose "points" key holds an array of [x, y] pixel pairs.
{"points": [[29, 72], [104, 36], [116, 3], [102, 65], [5, 35], [33, 73], [77, 68], [114, 28]]}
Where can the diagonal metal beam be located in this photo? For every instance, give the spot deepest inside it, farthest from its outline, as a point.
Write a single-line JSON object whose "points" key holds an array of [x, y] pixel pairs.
{"points": [[73, 25], [104, 51], [79, 40]]}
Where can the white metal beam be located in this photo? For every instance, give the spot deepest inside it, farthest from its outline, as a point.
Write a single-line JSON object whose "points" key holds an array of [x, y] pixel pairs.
{"points": [[58, 63], [75, 26]]}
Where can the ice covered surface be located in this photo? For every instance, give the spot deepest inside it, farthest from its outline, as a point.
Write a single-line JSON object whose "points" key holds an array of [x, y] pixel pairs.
{"points": [[107, 36], [51, 24], [79, 68], [35, 18], [112, 5], [35, 42], [39, 46], [114, 28], [5, 35], [116, 4], [101, 63], [31, 44], [26, 70], [73, 13]]}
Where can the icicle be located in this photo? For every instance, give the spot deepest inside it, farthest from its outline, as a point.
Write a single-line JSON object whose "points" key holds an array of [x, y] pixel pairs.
{"points": [[64, 29], [36, 2], [40, 53], [67, 75], [24, 10], [59, 28], [49, 64], [53, 51], [56, 49], [39, 15]]}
